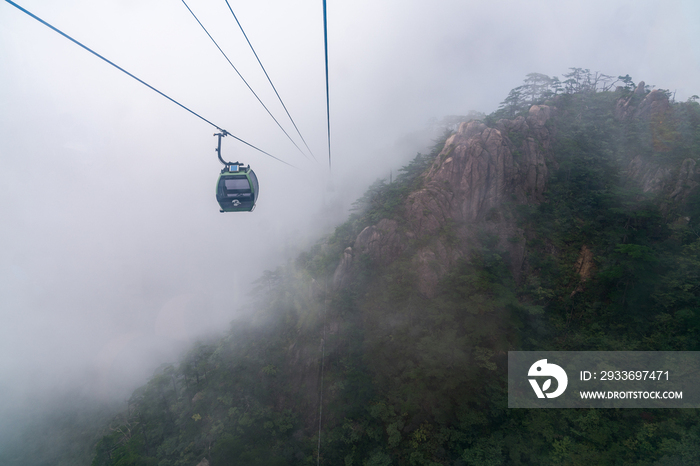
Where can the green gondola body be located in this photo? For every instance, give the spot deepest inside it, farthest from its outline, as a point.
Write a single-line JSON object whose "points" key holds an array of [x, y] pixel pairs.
{"points": [[237, 189]]}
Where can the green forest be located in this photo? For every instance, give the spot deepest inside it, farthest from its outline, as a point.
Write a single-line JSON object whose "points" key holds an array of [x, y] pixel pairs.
{"points": [[376, 373]]}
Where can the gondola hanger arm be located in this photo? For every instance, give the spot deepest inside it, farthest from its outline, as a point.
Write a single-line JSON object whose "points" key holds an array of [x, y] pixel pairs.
{"points": [[223, 133]]}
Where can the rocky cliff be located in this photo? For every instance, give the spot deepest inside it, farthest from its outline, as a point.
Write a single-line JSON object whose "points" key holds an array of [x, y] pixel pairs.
{"points": [[483, 172], [467, 192], [652, 112]]}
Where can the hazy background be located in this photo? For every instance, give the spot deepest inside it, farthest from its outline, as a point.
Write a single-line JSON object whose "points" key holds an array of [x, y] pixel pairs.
{"points": [[113, 254]]}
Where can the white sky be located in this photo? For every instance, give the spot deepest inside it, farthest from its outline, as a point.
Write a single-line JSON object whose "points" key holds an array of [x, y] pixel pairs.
{"points": [[112, 249]]}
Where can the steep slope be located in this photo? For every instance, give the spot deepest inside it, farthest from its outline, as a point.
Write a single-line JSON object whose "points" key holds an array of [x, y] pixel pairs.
{"points": [[571, 224], [474, 178]]}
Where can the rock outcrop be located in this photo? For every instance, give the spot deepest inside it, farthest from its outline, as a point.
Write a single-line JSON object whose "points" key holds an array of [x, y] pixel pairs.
{"points": [[342, 272], [467, 191], [687, 181], [479, 169], [584, 267], [627, 107], [650, 176], [654, 105], [653, 111], [383, 241], [641, 104]]}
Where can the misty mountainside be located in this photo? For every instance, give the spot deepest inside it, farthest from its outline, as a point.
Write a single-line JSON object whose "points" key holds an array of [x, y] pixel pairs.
{"points": [[569, 219]]}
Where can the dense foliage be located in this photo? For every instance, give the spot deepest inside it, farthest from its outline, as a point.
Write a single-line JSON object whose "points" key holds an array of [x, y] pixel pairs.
{"points": [[408, 380]]}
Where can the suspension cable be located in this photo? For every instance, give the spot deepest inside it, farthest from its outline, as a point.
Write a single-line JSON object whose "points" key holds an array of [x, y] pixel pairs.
{"points": [[328, 104], [323, 359], [246, 82], [270, 80], [139, 80]]}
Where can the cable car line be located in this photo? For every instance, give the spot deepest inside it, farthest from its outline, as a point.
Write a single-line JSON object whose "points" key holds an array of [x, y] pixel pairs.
{"points": [[270, 80], [328, 104], [246, 82], [140, 80]]}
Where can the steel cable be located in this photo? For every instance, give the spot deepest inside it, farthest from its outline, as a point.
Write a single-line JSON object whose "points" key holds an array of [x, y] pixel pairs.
{"points": [[328, 102], [270, 80], [244, 80], [140, 80]]}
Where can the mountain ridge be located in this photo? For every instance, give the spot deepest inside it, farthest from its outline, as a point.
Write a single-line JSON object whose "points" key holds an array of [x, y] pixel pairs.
{"points": [[571, 224]]}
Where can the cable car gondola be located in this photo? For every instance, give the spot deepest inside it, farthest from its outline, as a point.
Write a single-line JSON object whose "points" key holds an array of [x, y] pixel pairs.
{"points": [[237, 187]]}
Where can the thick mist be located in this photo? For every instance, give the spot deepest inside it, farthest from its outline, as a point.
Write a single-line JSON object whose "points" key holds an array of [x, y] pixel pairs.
{"points": [[113, 254]]}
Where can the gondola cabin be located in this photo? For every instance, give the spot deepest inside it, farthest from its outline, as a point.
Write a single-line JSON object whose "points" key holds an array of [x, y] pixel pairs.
{"points": [[237, 188]]}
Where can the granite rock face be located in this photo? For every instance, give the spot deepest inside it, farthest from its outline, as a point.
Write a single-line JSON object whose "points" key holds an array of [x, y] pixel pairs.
{"points": [[480, 168], [626, 107], [653, 112], [479, 171], [470, 190], [383, 241], [650, 176], [687, 180], [641, 104]]}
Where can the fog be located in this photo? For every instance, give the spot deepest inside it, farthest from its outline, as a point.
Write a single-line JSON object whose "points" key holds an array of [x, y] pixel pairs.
{"points": [[113, 253]]}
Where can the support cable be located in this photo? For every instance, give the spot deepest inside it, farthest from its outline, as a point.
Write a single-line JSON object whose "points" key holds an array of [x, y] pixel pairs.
{"points": [[270, 80], [246, 82], [139, 80], [323, 359], [328, 104]]}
